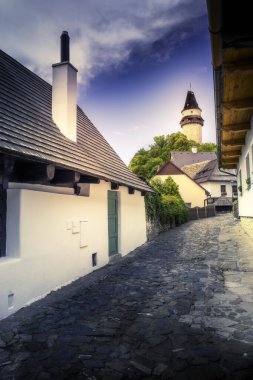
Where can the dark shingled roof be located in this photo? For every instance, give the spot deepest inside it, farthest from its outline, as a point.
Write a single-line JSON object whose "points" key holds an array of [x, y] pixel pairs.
{"points": [[27, 129], [187, 158], [211, 172], [190, 101]]}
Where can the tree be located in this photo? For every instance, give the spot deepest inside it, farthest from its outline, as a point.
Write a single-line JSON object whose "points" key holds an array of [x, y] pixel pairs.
{"points": [[166, 204], [207, 147], [146, 161], [167, 187]]}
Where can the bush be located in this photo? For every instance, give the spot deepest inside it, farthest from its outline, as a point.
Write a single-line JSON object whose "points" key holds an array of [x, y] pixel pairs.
{"points": [[166, 204]]}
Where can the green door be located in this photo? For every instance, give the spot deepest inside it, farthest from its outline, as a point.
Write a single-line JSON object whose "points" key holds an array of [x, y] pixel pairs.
{"points": [[113, 222]]}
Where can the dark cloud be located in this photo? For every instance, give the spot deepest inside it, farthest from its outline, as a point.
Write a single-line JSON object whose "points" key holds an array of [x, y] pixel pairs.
{"points": [[104, 34]]}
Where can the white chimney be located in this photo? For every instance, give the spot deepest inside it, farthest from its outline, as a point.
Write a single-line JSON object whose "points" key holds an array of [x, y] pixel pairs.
{"points": [[64, 92], [194, 149]]}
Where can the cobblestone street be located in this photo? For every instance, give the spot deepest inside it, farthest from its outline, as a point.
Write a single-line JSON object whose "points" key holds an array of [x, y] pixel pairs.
{"points": [[179, 307]]}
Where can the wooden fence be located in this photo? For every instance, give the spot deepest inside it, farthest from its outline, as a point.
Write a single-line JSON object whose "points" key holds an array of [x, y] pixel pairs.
{"points": [[201, 212]]}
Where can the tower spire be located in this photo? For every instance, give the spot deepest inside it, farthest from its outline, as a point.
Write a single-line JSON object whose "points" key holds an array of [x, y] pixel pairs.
{"points": [[192, 121]]}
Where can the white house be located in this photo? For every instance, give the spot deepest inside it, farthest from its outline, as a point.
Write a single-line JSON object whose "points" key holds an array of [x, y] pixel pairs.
{"points": [[192, 193], [68, 204], [202, 167], [231, 31]]}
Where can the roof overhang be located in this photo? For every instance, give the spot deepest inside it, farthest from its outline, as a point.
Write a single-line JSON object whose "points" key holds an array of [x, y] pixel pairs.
{"points": [[231, 33]]}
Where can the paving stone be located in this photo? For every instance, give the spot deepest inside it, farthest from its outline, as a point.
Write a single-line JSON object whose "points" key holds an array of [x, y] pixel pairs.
{"points": [[179, 307], [2, 343]]}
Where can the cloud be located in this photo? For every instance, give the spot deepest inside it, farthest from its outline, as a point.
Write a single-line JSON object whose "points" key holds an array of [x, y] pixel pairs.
{"points": [[104, 34]]}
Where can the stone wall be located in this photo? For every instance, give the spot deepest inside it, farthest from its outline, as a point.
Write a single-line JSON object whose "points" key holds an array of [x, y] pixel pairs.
{"points": [[154, 228], [247, 225]]}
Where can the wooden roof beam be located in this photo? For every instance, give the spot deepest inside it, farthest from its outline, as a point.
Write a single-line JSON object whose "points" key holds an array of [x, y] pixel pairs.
{"points": [[88, 179], [234, 142], [114, 186], [6, 165], [31, 172], [242, 66], [230, 160], [65, 178], [229, 166], [242, 127], [232, 153], [242, 104]]}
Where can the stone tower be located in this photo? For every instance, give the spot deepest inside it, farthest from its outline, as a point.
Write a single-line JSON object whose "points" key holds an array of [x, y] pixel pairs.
{"points": [[192, 121]]}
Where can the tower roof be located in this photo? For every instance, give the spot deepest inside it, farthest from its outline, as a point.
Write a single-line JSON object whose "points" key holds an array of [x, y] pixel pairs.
{"points": [[190, 101]]}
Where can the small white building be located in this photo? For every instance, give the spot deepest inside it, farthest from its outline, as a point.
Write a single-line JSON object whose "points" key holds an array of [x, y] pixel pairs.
{"points": [[202, 167], [231, 31], [192, 193], [68, 204]]}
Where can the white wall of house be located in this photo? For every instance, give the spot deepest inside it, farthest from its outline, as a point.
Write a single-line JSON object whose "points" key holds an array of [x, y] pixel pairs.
{"points": [[246, 198], [51, 238], [214, 188]]}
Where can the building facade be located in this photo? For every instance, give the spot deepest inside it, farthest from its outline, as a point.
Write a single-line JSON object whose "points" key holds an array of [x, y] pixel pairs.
{"points": [[192, 193], [68, 204], [232, 54]]}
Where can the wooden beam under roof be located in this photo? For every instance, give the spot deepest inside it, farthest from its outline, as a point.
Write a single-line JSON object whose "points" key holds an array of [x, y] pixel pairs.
{"points": [[241, 104], [243, 65], [31, 172], [65, 178], [232, 153], [114, 186], [6, 165], [88, 179], [234, 142], [229, 166], [241, 127], [230, 160]]}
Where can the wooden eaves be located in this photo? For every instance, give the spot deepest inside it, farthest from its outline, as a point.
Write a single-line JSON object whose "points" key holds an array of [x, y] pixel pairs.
{"points": [[232, 55]]}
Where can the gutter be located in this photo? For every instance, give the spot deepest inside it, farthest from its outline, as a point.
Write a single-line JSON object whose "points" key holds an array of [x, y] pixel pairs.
{"points": [[218, 94], [214, 8]]}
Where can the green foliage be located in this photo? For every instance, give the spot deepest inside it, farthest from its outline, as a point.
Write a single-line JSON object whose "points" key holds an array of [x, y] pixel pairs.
{"points": [[145, 162], [168, 187], [166, 204], [207, 147]]}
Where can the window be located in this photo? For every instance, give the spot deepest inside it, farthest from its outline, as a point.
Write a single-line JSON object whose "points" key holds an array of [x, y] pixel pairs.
{"points": [[234, 189], [240, 182], [223, 189], [94, 259], [248, 179]]}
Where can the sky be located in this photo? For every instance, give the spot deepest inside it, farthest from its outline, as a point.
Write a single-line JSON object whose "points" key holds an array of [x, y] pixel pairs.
{"points": [[136, 60]]}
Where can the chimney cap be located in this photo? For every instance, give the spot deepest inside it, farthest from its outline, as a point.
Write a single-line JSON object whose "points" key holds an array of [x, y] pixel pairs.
{"points": [[64, 46]]}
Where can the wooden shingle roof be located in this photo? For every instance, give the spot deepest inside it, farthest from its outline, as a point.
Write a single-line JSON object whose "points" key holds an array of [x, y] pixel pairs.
{"points": [[27, 130], [187, 158]]}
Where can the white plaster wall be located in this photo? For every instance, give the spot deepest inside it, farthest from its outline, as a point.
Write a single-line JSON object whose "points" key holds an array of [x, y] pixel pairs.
{"points": [[214, 188], [246, 199], [132, 230], [64, 97], [43, 239]]}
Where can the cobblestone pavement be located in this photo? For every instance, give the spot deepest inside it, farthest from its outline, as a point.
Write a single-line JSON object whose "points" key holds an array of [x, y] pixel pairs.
{"points": [[179, 307]]}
